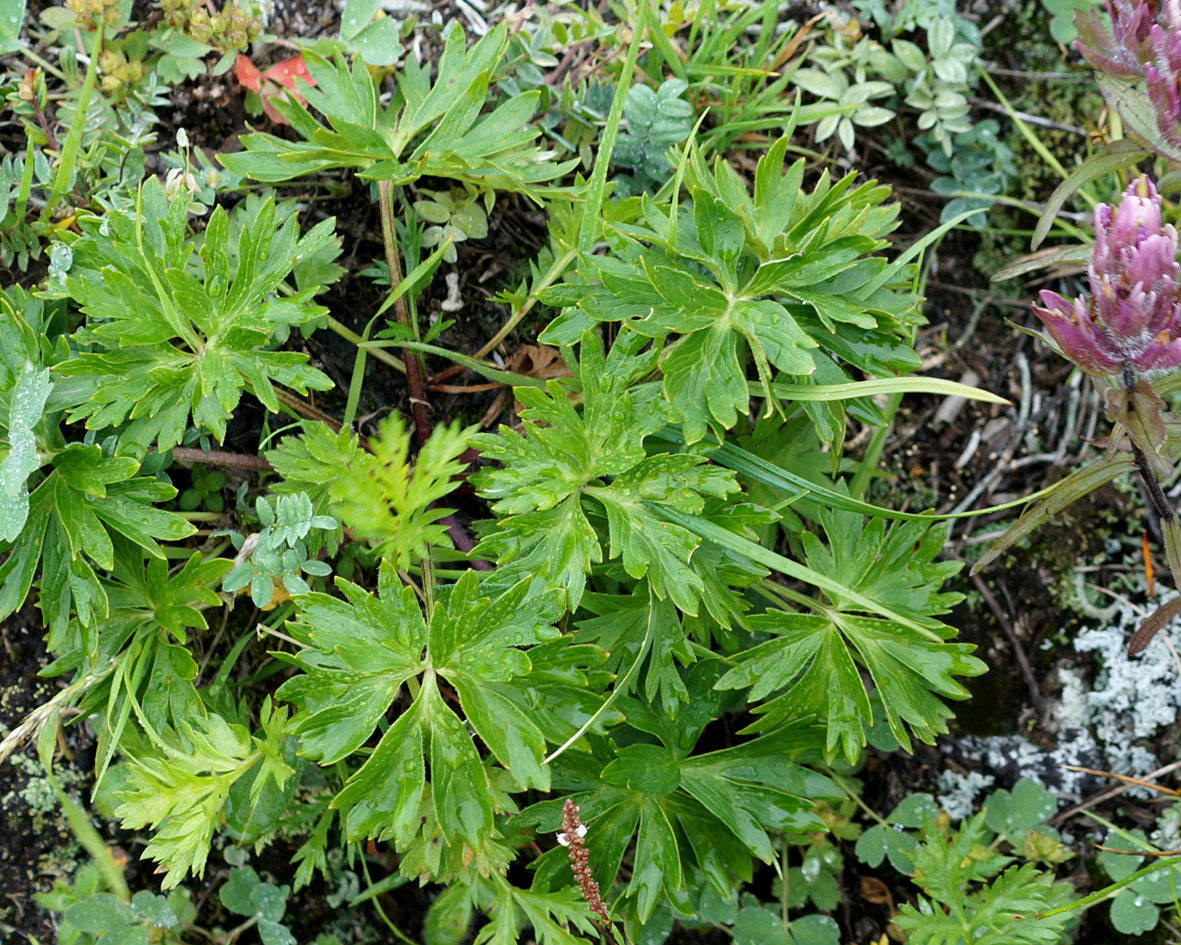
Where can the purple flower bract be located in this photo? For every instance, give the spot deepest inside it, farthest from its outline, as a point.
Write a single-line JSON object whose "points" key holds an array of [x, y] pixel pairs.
{"points": [[1133, 317]]}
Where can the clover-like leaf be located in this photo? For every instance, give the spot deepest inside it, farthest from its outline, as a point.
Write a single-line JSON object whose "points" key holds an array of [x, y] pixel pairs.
{"points": [[1013, 813]]}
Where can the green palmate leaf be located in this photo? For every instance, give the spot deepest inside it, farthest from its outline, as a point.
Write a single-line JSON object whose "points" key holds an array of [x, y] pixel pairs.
{"points": [[312, 461], [571, 468], [172, 338], [710, 811], [182, 791], [773, 275], [145, 597], [427, 129], [948, 865], [640, 626], [100, 913], [813, 663], [1013, 813], [359, 652], [74, 514]]}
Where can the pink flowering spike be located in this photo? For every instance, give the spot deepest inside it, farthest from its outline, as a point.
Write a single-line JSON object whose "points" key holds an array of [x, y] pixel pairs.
{"points": [[1162, 92], [1143, 43], [1137, 271], [1077, 337], [1101, 49], [1138, 214], [1133, 318], [1163, 73], [1153, 263], [1163, 355]]}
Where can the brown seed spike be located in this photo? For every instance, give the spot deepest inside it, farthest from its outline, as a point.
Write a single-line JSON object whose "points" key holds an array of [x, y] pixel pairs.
{"points": [[1152, 625]]}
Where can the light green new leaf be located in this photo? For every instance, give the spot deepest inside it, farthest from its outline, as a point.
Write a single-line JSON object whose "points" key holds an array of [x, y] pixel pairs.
{"points": [[550, 914], [182, 791], [1018, 907], [377, 493]]}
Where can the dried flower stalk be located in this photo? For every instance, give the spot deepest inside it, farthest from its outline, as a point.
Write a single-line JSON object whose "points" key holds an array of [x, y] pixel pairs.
{"points": [[573, 837]]}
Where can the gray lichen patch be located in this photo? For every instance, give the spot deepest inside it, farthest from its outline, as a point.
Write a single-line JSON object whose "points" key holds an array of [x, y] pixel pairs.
{"points": [[1113, 713]]}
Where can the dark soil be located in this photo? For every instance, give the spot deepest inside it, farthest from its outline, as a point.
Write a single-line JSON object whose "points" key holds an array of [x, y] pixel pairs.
{"points": [[35, 843]]}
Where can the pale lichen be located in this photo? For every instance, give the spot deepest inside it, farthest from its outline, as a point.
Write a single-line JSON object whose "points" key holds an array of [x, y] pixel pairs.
{"points": [[958, 792]]}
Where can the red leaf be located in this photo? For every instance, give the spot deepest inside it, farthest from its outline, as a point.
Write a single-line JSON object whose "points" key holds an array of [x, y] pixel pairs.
{"points": [[269, 85], [248, 73], [287, 71]]}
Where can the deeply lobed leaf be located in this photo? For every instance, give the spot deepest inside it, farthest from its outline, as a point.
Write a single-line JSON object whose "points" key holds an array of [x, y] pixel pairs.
{"points": [[813, 662], [775, 275], [172, 339]]}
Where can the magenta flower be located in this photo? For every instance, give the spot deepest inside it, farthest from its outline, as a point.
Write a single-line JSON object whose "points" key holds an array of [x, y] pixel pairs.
{"points": [[1123, 50], [1133, 317], [1144, 42]]}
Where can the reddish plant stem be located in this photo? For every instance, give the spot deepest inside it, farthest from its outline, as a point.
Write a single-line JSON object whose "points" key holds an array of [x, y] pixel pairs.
{"points": [[51, 141], [221, 458], [459, 537], [414, 367]]}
